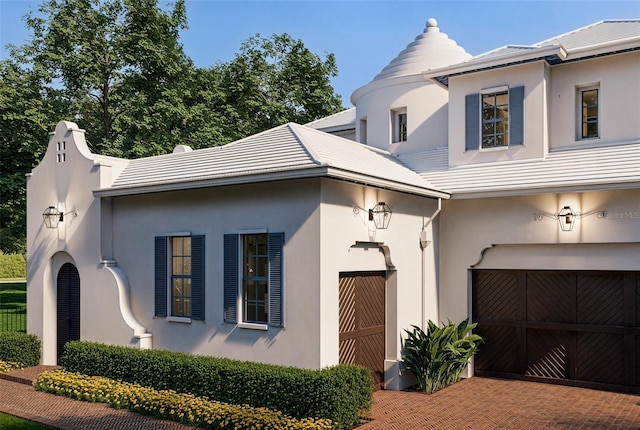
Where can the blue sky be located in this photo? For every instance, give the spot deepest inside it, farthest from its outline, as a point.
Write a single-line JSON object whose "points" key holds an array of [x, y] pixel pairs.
{"points": [[364, 35]]}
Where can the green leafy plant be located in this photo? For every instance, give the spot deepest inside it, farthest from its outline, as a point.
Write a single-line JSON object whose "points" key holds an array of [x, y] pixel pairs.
{"points": [[438, 356], [20, 348]]}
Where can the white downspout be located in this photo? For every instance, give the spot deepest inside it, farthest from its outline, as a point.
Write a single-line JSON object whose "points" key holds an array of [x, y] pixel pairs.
{"points": [[424, 242]]}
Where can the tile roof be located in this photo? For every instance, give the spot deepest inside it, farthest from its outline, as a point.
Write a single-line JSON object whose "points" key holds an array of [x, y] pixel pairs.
{"points": [[570, 170], [341, 120], [286, 152]]}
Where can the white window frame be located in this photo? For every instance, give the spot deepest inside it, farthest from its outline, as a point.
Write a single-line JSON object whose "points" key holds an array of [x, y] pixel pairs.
{"points": [[580, 90], [170, 317], [485, 92], [240, 291], [395, 125]]}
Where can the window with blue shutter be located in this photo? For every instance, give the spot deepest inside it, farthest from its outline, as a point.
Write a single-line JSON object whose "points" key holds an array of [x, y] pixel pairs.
{"points": [[180, 277], [161, 276], [253, 279], [494, 119]]}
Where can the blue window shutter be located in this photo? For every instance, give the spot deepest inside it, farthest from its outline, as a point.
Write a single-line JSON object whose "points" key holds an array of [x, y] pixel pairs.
{"points": [[197, 278], [516, 116], [230, 278], [276, 243], [472, 122], [161, 276]]}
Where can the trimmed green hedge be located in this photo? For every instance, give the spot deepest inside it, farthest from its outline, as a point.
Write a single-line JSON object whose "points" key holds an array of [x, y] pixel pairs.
{"points": [[338, 393], [20, 348], [12, 266]]}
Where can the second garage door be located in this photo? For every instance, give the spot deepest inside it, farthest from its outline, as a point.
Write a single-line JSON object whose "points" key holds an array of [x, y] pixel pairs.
{"points": [[577, 328]]}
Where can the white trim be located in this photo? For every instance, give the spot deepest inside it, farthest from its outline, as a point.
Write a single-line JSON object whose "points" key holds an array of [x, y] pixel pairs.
{"points": [[183, 320], [253, 326], [253, 231], [498, 89], [177, 234]]}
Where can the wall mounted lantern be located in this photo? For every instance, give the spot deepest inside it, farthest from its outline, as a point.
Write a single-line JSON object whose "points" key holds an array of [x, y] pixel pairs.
{"points": [[380, 214], [566, 218], [52, 216]]}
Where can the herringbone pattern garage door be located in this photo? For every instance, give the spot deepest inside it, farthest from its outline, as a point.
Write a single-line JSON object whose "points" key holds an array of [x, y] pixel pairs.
{"points": [[578, 328], [361, 321]]}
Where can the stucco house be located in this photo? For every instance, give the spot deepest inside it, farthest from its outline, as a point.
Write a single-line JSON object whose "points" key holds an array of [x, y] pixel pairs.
{"points": [[503, 187]]}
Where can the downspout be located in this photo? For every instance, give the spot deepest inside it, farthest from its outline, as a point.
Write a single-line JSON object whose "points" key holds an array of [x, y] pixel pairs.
{"points": [[424, 242]]}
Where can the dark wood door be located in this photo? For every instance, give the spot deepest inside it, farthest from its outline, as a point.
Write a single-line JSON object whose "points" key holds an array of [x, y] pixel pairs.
{"points": [[68, 284], [576, 328], [361, 321]]}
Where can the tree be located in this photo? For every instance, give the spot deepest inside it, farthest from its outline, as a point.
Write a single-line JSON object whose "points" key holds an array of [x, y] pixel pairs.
{"points": [[276, 80], [117, 69], [27, 114], [117, 62]]}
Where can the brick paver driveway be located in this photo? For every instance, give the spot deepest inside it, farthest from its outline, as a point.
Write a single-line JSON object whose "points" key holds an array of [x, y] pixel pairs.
{"points": [[485, 403], [476, 403]]}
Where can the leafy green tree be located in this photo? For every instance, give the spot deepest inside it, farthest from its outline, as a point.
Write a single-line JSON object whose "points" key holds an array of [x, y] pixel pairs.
{"points": [[276, 80], [28, 111]]}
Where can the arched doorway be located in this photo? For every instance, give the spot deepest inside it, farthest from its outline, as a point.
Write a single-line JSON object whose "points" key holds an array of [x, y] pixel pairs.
{"points": [[68, 284]]}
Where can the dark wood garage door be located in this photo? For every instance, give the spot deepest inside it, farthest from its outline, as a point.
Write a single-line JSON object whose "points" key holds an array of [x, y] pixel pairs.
{"points": [[575, 328], [361, 321]]}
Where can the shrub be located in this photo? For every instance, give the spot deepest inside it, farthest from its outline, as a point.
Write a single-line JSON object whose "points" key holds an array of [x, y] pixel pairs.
{"points": [[6, 366], [338, 393], [20, 348], [437, 357], [12, 266], [166, 404]]}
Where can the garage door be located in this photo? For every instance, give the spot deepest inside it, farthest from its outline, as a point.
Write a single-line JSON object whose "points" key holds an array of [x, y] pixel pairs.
{"points": [[575, 328], [361, 321]]}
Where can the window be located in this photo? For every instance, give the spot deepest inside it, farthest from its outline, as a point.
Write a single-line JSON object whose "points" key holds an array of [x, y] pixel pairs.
{"points": [[363, 131], [588, 113], [61, 155], [399, 122], [179, 277], [253, 279], [494, 119]]}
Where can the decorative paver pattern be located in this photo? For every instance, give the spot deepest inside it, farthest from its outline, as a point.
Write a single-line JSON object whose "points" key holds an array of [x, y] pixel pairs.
{"points": [[475, 403], [487, 403]]}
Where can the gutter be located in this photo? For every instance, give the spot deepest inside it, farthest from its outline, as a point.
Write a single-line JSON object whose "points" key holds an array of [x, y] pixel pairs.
{"points": [[424, 242]]}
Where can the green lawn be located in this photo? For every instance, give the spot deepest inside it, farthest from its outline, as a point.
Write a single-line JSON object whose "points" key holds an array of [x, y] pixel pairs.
{"points": [[14, 423], [13, 305]]}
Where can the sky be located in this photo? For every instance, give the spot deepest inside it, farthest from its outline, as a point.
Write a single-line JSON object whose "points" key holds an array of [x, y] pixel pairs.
{"points": [[364, 35]]}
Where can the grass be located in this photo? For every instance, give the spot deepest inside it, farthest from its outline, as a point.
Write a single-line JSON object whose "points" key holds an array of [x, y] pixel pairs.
{"points": [[13, 305], [15, 423]]}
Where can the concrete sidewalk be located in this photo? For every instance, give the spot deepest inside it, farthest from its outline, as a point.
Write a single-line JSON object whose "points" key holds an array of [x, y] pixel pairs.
{"points": [[475, 403]]}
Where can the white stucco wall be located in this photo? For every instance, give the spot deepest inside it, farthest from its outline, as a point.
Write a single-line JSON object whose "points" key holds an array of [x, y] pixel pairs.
{"points": [[619, 100], [68, 186], [533, 77], [426, 107]]}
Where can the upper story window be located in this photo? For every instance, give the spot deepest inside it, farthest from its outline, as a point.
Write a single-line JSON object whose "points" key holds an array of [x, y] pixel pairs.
{"points": [[363, 130], [399, 125], [253, 279], [179, 277], [61, 151], [494, 118], [588, 102]]}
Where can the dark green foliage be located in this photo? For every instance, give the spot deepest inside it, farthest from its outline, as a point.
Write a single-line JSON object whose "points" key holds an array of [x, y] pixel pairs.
{"points": [[20, 348], [437, 357], [338, 393], [12, 266]]}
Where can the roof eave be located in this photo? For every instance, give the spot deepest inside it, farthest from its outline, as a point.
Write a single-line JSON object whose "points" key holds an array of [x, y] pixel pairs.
{"points": [[524, 191], [547, 53], [296, 173]]}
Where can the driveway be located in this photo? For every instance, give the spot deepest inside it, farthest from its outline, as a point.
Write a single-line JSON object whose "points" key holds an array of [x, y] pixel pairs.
{"points": [[486, 403]]}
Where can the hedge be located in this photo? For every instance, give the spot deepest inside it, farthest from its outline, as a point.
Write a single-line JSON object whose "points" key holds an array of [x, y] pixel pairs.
{"points": [[337, 393], [12, 266], [166, 404], [20, 348]]}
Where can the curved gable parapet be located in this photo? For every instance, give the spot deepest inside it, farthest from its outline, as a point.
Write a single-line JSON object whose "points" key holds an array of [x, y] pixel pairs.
{"points": [[68, 135]]}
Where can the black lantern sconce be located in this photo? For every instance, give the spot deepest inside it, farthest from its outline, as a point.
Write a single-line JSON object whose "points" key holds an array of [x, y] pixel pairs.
{"points": [[566, 218], [380, 214], [52, 216]]}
